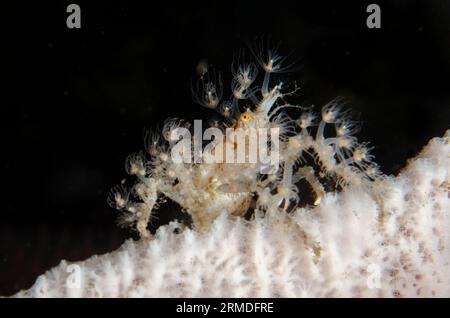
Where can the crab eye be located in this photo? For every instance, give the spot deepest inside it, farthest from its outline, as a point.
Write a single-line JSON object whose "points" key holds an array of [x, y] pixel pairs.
{"points": [[245, 116]]}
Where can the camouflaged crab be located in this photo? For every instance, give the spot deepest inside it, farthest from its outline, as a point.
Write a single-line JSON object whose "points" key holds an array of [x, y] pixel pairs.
{"points": [[208, 180]]}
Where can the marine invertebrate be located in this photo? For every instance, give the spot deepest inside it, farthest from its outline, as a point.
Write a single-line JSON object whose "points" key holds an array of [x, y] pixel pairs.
{"points": [[234, 173], [362, 233]]}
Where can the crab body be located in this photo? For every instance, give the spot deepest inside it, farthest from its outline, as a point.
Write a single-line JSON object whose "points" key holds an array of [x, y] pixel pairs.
{"points": [[255, 159]]}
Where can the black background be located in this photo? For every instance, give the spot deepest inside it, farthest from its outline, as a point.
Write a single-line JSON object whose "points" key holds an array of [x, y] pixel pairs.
{"points": [[77, 101]]}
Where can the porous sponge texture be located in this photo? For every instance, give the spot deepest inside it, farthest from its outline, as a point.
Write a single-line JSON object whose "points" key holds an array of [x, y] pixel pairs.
{"points": [[390, 240]]}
